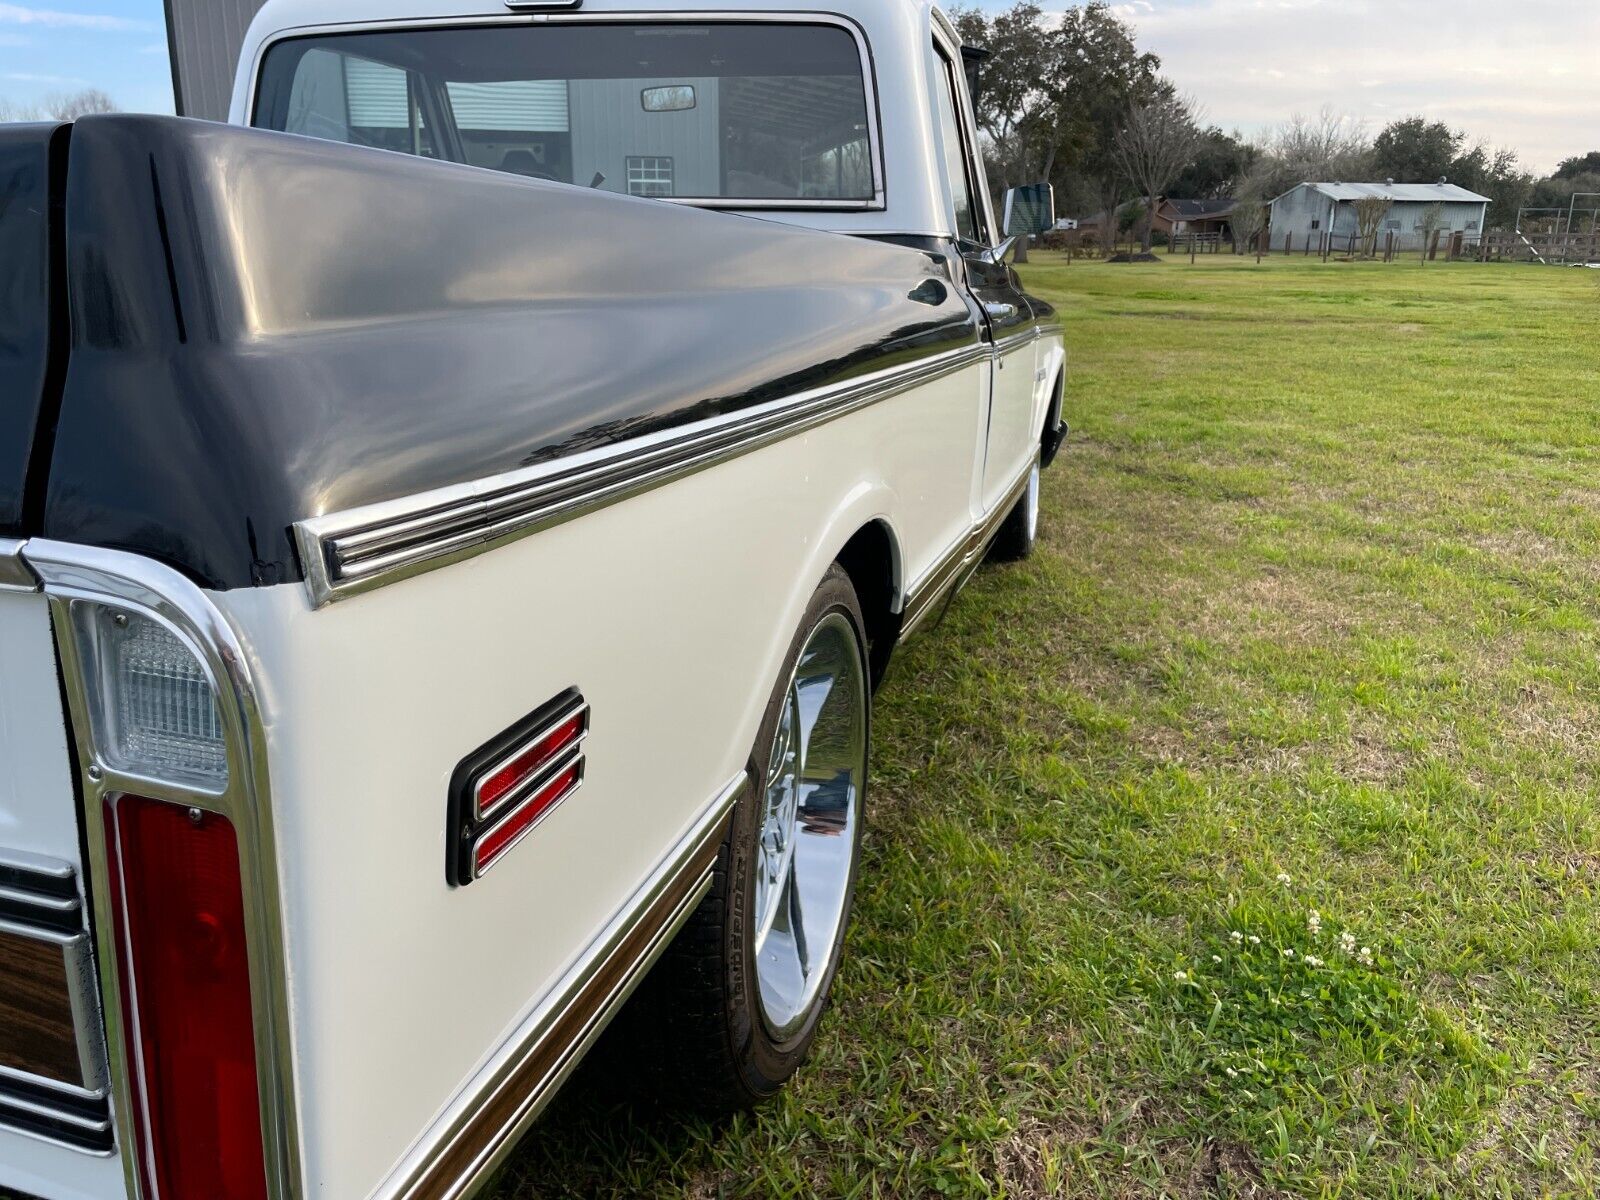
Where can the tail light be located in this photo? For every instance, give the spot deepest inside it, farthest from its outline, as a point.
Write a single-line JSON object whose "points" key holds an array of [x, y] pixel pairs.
{"points": [[179, 913], [158, 767]]}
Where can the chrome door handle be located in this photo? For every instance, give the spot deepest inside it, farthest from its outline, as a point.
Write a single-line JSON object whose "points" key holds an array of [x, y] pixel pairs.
{"points": [[999, 311]]}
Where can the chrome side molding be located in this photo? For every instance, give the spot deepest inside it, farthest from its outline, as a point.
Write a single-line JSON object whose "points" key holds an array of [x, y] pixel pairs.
{"points": [[481, 1125], [940, 582], [350, 552], [15, 576]]}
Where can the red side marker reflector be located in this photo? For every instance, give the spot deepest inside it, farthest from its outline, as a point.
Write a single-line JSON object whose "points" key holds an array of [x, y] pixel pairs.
{"points": [[179, 912], [500, 839], [528, 762]]}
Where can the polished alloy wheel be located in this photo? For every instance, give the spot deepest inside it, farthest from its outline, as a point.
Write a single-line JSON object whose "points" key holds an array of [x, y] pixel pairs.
{"points": [[812, 805]]}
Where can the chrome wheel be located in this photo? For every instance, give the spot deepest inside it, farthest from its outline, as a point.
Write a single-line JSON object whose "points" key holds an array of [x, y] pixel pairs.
{"points": [[812, 806]]}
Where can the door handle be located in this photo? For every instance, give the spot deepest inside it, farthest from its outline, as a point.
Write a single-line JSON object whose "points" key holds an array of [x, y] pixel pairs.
{"points": [[999, 311]]}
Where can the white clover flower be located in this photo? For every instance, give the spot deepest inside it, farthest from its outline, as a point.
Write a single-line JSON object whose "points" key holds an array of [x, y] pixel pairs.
{"points": [[1314, 921], [1283, 878], [1181, 976], [1313, 961], [1216, 958], [1347, 942], [1230, 1072], [1254, 940], [1365, 957], [1288, 953], [1236, 937]]}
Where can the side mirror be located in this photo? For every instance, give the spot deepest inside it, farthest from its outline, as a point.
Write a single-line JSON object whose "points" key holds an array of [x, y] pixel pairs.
{"points": [[1029, 210]]}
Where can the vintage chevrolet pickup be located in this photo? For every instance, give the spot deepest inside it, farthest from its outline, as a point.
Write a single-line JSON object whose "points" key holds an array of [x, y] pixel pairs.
{"points": [[452, 520]]}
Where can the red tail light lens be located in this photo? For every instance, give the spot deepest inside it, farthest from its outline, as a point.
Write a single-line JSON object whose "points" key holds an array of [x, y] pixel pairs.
{"points": [[528, 762], [504, 835], [190, 1033]]}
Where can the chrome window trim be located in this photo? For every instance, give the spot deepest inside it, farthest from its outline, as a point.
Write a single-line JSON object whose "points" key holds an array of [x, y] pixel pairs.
{"points": [[869, 81], [75, 575], [345, 553], [14, 573], [413, 1178]]}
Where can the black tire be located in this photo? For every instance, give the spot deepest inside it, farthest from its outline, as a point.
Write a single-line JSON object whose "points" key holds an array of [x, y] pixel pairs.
{"points": [[694, 1023], [1020, 529]]}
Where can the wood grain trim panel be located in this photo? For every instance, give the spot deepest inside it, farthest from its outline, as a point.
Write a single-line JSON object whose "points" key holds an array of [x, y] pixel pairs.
{"points": [[37, 1033]]}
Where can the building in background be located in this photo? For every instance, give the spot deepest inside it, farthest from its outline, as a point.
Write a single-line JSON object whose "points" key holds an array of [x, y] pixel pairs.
{"points": [[1309, 210], [204, 37]]}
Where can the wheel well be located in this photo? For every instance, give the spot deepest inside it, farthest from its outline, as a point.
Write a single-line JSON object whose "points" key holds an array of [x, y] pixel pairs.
{"points": [[870, 558], [1051, 437]]}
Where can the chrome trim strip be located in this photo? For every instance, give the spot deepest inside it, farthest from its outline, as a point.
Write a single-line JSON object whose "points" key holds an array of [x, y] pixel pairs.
{"points": [[362, 548], [415, 1177], [75, 576], [78, 1120], [542, 774], [949, 574], [869, 77], [51, 911], [81, 1096], [1016, 341], [545, 778], [14, 573]]}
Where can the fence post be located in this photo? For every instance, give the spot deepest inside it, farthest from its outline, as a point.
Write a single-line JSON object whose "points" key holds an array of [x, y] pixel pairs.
{"points": [[1191, 250], [1261, 241], [1388, 247], [1288, 243]]}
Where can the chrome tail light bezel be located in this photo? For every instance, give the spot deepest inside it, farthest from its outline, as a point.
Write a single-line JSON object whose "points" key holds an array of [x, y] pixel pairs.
{"points": [[76, 580]]}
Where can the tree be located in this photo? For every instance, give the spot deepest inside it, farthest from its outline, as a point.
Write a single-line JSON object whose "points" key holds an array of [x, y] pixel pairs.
{"points": [[1053, 97], [1581, 164], [60, 107], [1222, 162], [1156, 142], [1414, 150], [79, 104], [1370, 214], [1248, 219], [1328, 147], [1428, 224]]}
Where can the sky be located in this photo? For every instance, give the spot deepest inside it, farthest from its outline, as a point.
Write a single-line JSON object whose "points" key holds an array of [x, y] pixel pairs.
{"points": [[1524, 74]]}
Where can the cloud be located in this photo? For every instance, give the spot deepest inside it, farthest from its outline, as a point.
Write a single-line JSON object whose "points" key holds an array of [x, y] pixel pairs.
{"points": [[49, 80], [1521, 75], [21, 14]]}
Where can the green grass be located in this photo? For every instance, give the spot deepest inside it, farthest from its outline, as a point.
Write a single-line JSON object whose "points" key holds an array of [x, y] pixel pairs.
{"points": [[1312, 626]]}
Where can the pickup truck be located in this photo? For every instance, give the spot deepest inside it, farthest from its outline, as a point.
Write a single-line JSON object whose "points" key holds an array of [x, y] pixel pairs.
{"points": [[453, 518]]}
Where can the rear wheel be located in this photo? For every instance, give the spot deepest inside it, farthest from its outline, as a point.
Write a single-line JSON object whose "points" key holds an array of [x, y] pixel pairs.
{"points": [[734, 1004]]}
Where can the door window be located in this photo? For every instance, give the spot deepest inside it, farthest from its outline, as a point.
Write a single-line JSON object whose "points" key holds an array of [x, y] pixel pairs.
{"points": [[959, 160]]}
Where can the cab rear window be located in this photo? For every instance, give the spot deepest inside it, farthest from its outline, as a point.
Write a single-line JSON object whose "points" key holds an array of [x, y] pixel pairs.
{"points": [[722, 111]]}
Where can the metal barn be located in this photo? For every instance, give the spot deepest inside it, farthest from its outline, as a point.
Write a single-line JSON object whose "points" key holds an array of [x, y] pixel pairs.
{"points": [[204, 37], [1309, 210]]}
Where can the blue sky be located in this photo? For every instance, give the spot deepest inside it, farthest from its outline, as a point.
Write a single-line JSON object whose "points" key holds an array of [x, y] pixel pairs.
{"points": [[1521, 74], [67, 45]]}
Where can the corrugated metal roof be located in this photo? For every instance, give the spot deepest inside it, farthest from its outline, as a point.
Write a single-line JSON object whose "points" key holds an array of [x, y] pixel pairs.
{"points": [[1202, 208], [1425, 192]]}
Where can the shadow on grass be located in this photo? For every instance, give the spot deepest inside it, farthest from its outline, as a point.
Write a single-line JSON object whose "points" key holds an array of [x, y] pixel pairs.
{"points": [[606, 1135]]}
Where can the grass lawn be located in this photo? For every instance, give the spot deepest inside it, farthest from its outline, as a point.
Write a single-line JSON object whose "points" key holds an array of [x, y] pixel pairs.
{"points": [[1312, 628]]}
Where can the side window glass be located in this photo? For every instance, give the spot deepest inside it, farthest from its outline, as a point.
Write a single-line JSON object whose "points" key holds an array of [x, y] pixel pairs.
{"points": [[955, 162], [350, 99]]}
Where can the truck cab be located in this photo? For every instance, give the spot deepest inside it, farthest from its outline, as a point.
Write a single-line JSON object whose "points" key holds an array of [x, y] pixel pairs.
{"points": [[453, 518]]}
